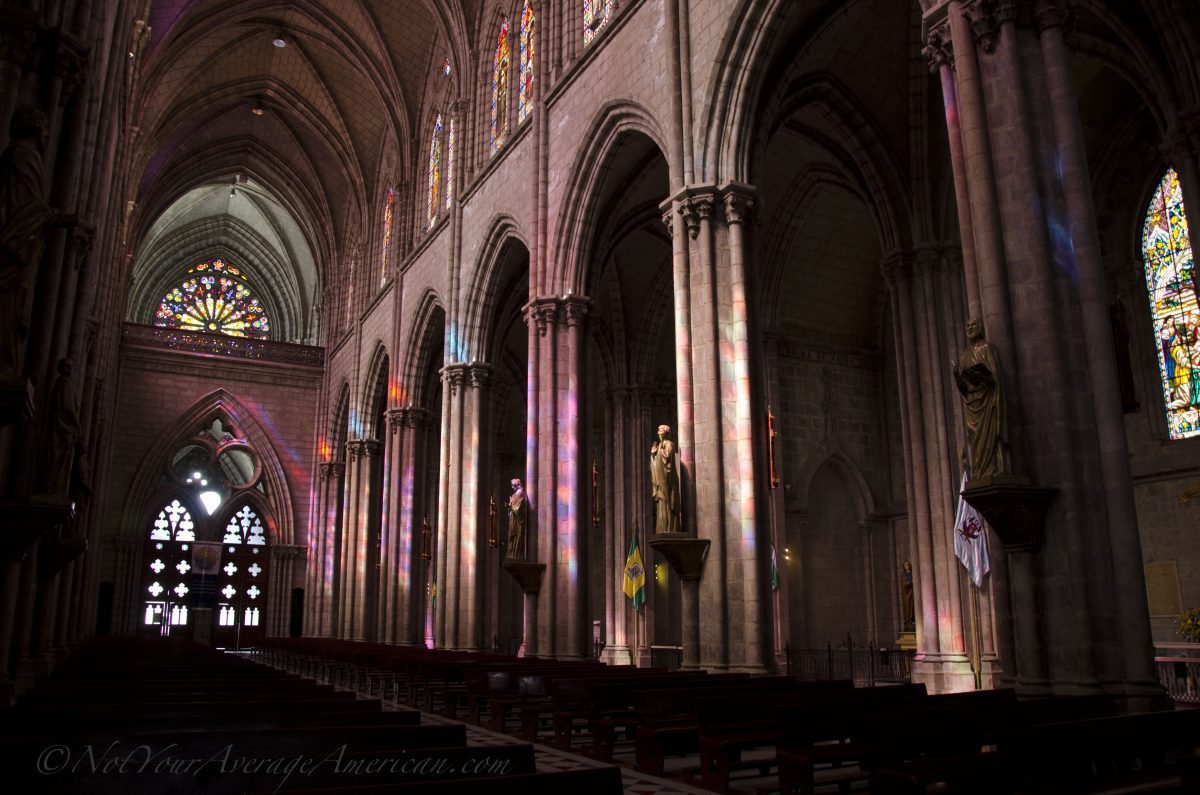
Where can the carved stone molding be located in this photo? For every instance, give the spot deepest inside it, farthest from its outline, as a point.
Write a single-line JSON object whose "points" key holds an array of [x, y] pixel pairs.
{"points": [[702, 206], [691, 219], [395, 419], [453, 376], [926, 260], [543, 312], [478, 374], [416, 417], [1051, 14], [737, 207], [668, 219]]}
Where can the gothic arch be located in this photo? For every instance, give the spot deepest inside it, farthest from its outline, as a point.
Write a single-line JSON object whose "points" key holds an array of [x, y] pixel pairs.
{"points": [[576, 225], [853, 477], [218, 403], [413, 389], [375, 400], [482, 299]]}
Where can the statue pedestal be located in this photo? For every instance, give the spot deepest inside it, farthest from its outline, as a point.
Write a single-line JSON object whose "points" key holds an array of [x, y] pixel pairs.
{"points": [[907, 640], [527, 575], [529, 578], [16, 399], [1013, 507], [686, 556]]}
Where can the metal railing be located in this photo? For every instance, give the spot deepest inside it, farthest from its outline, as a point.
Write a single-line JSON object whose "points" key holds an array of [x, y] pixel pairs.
{"points": [[865, 665], [1180, 675], [154, 337]]}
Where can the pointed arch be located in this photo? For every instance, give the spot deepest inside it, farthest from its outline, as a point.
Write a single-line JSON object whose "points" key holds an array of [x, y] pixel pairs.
{"points": [[503, 231], [376, 397], [217, 404], [852, 475], [576, 224], [428, 319]]}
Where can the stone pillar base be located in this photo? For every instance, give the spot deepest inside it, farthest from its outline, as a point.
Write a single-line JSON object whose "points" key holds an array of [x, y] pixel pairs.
{"points": [[616, 655], [952, 674]]}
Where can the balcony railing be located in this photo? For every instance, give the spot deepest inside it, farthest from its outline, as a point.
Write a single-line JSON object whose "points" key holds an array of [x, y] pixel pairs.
{"points": [[865, 665], [201, 342]]}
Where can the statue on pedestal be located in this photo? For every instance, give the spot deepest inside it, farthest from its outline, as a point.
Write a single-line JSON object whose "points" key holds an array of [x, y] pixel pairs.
{"points": [[518, 521], [61, 433], [978, 377], [24, 216], [664, 482], [907, 605]]}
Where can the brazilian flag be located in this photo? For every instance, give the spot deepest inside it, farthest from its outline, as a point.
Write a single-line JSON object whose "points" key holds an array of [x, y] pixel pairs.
{"points": [[635, 575]]}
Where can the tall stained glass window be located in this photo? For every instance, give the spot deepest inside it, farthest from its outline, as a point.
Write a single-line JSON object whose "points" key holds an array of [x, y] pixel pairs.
{"points": [[450, 164], [595, 16], [435, 168], [1171, 283], [500, 67], [214, 297], [387, 231], [528, 42]]}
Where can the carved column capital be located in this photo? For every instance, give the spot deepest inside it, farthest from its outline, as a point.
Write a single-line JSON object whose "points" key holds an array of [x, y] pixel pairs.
{"points": [[939, 47], [737, 207], [1008, 11], [453, 376], [926, 260], [982, 18], [396, 419], [703, 205], [1051, 14], [478, 373], [691, 218], [575, 308], [415, 417], [668, 218], [331, 469], [371, 447], [544, 312], [896, 268]]}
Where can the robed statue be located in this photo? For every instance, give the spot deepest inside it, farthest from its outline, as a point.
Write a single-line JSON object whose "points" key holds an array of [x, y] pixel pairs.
{"points": [[907, 604], [980, 381], [61, 433], [518, 521], [664, 482], [24, 216]]}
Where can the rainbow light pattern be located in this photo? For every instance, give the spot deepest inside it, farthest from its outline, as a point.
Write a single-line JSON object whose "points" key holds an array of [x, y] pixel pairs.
{"points": [[595, 16], [500, 66], [450, 165], [1171, 283], [214, 298], [525, 91], [435, 168]]}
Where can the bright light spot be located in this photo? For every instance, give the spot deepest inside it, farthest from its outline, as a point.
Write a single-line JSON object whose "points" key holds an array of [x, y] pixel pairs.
{"points": [[196, 475], [211, 500]]}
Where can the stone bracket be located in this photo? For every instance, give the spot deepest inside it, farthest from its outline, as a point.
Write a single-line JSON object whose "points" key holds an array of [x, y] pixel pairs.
{"points": [[1014, 507], [686, 555], [527, 575]]}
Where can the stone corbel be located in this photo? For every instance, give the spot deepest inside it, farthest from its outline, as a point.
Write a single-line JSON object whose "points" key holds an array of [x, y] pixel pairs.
{"points": [[396, 419], [478, 374], [738, 203], [575, 309], [544, 312], [331, 469], [452, 376]]}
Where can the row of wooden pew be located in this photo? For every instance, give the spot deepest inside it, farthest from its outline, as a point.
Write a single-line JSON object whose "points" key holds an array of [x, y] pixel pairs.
{"points": [[719, 730], [128, 715]]}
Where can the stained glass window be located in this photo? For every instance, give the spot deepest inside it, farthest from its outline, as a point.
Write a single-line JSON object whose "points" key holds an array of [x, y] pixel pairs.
{"points": [[447, 68], [500, 89], [214, 297], [435, 168], [387, 230], [595, 17], [525, 93], [244, 527], [450, 164], [1171, 283]]}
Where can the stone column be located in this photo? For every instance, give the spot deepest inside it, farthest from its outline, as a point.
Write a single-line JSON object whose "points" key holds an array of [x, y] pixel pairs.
{"points": [[544, 312], [1017, 113], [450, 605], [409, 568], [472, 536], [352, 586], [320, 612], [391, 578], [574, 514]]}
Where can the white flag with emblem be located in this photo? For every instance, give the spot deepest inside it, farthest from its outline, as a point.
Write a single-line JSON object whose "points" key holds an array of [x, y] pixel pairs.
{"points": [[970, 539]]}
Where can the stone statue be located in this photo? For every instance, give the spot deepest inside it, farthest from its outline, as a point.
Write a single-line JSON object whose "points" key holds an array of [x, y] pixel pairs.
{"points": [[24, 216], [979, 380], [907, 606], [664, 482], [518, 520], [62, 433]]}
